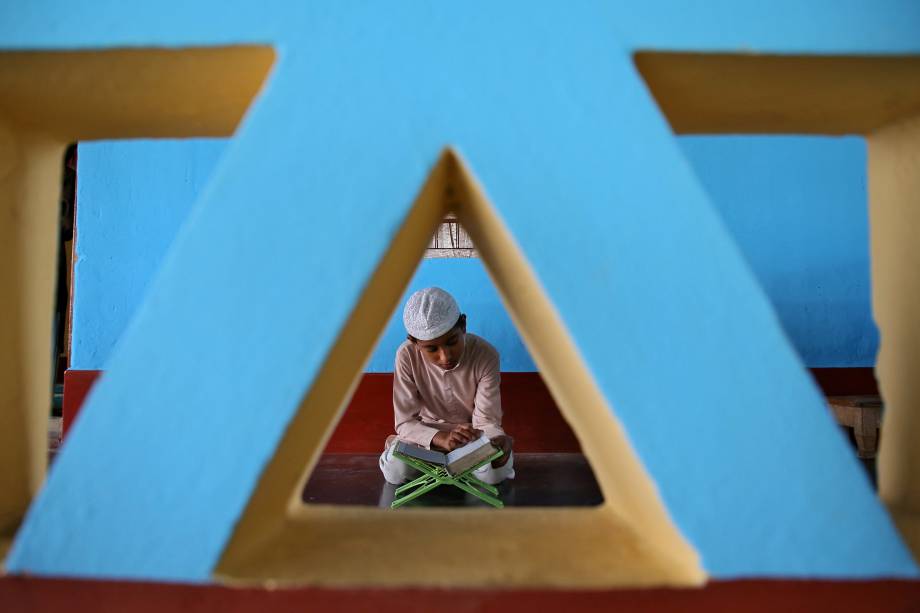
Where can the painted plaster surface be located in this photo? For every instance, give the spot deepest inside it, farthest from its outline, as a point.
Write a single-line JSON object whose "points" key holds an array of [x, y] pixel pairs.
{"points": [[132, 198], [798, 209], [796, 206], [675, 330]]}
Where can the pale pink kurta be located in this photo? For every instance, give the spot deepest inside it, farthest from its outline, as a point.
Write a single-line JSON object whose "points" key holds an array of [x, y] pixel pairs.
{"points": [[427, 399]]}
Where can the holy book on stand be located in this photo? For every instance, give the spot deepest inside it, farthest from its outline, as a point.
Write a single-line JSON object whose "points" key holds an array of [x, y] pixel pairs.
{"points": [[457, 461]]}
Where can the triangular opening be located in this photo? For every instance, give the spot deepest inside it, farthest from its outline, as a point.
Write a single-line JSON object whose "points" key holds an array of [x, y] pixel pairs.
{"points": [[629, 540], [550, 468]]}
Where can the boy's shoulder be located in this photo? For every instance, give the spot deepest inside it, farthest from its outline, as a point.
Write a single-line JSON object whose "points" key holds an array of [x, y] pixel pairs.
{"points": [[481, 347], [405, 351]]}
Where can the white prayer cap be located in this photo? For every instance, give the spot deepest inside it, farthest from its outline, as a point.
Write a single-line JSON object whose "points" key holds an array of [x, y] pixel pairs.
{"points": [[430, 313]]}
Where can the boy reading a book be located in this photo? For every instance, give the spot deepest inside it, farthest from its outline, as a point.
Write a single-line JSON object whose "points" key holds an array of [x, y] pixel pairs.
{"points": [[445, 388]]}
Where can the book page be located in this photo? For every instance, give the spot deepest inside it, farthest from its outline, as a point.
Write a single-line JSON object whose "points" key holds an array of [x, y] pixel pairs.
{"points": [[467, 449]]}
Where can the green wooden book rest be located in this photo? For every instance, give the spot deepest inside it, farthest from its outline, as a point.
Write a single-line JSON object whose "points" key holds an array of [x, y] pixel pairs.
{"points": [[434, 476]]}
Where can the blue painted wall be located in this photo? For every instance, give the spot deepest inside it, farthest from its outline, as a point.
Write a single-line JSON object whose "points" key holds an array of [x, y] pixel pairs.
{"points": [[132, 196], [796, 206]]}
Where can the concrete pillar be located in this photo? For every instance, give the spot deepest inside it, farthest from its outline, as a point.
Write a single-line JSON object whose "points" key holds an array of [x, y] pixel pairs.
{"points": [[894, 213], [30, 183]]}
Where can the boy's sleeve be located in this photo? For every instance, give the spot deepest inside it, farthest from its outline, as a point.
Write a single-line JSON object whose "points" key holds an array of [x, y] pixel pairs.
{"points": [[407, 404], [487, 407]]}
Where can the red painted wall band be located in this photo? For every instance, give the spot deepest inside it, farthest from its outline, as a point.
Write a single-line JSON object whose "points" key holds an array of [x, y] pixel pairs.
{"points": [[77, 384], [751, 596], [531, 415]]}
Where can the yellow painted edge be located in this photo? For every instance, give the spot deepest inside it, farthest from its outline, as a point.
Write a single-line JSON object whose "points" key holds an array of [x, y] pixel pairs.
{"points": [[5, 545], [894, 220], [907, 522], [341, 546], [743, 93], [132, 92], [30, 174]]}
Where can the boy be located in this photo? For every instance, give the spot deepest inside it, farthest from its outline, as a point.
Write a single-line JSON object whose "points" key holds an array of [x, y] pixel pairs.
{"points": [[445, 388]]}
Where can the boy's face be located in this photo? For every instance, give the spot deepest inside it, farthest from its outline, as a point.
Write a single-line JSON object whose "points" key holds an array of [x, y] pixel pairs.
{"points": [[446, 350]]}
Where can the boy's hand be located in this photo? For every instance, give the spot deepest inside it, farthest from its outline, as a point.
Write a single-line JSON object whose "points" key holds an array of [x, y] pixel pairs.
{"points": [[458, 437], [505, 443]]}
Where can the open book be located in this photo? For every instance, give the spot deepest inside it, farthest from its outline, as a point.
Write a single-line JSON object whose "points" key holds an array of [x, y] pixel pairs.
{"points": [[456, 461]]}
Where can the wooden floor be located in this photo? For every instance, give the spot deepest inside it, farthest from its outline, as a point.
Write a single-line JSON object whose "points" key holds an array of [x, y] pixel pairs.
{"points": [[542, 480]]}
